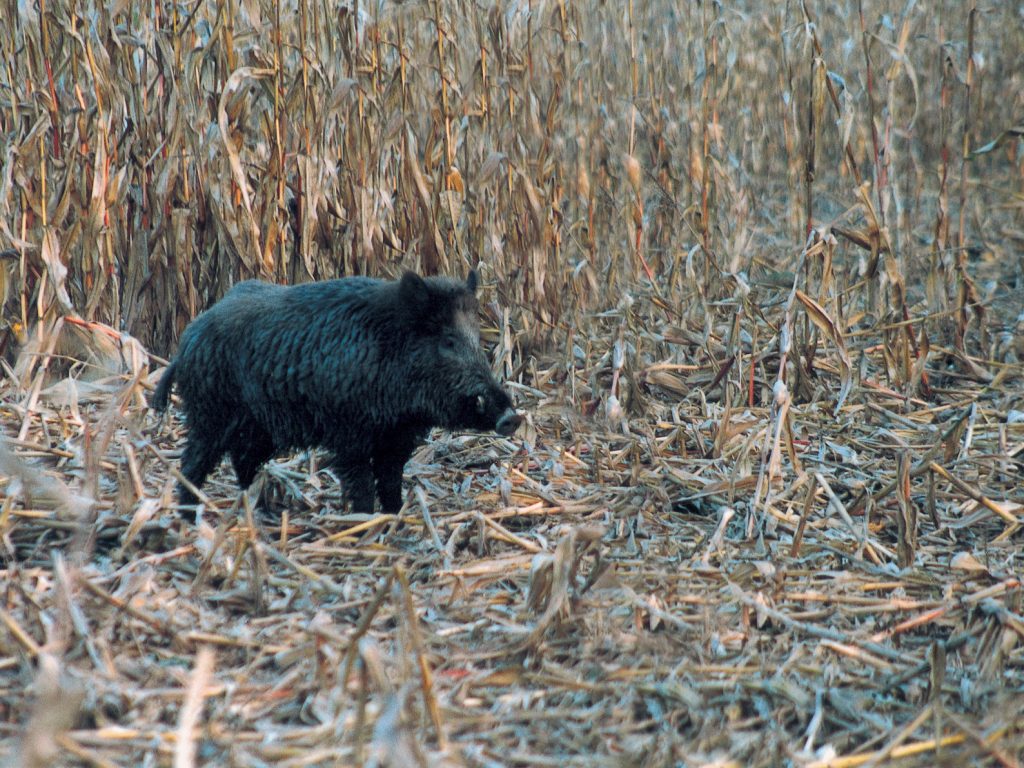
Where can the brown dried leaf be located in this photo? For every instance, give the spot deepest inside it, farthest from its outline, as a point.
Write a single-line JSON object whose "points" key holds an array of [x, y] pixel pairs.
{"points": [[825, 323]]}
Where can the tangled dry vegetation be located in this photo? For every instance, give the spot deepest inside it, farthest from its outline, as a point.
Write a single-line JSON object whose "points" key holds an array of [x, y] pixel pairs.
{"points": [[752, 269]]}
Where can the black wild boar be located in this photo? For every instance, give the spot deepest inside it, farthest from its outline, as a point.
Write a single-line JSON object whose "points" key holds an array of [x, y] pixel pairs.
{"points": [[359, 366]]}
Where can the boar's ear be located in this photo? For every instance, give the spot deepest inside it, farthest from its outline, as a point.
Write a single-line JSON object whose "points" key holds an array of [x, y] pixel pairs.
{"points": [[413, 291], [472, 281]]}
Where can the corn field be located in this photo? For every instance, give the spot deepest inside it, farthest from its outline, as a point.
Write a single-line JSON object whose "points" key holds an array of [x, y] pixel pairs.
{"points": [[753, 272]]}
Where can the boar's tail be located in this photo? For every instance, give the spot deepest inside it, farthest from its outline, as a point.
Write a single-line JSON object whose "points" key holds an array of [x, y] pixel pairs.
{"points": [[163, 388]]}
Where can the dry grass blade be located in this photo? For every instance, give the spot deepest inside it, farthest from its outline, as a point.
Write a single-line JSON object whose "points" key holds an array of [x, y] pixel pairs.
{"points": [[185, 746], [58, 700]]}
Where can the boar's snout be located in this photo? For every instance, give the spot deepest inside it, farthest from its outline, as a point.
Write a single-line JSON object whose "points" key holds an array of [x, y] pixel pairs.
{"points": [[508, 422]]}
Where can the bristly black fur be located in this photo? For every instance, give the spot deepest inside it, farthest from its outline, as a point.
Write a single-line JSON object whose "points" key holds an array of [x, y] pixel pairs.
{"points": [[162, 395], [359, 366]]}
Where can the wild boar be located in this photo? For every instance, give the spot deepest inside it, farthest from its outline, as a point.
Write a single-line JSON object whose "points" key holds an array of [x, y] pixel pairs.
{"points": [[359, 366]]}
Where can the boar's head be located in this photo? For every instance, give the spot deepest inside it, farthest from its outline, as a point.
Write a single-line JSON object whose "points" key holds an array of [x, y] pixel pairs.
{"points": [[450, 381]]}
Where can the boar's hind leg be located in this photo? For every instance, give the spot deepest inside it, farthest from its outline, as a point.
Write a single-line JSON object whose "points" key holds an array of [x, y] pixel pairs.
{"points": [[252, 448], [197, 461], [356, 481], [388, 463]]}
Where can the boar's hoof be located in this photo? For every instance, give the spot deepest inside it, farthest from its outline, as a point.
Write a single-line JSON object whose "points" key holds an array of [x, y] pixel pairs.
{"points": [[508, 423]]}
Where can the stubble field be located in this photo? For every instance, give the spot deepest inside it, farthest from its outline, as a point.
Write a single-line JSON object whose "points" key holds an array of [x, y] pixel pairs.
{"points": [[753, 272]]}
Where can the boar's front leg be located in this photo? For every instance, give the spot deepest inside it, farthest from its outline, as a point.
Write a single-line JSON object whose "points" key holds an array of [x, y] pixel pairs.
{"points": [[356, 481], [389, 459], [200, 458]]}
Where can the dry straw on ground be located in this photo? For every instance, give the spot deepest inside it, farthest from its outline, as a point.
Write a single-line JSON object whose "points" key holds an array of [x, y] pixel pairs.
{"points": [[752, 269]]}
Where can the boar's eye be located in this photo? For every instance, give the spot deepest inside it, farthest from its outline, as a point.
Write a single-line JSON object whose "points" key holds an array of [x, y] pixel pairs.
{"points": [[481, 404], [453, 342]]}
